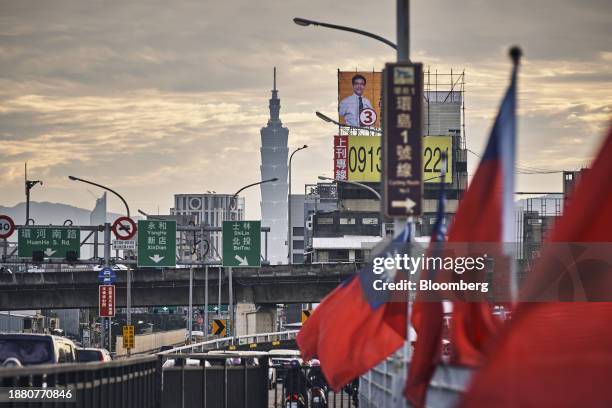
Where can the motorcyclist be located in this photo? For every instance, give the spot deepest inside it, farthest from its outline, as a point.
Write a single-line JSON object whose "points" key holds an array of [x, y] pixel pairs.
{"points": [[317, 384], [315, 375], [296, 383], [352, 389]]}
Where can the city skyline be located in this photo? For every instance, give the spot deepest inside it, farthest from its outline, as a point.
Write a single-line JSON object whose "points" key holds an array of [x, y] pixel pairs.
{"points": [[153, 101]]}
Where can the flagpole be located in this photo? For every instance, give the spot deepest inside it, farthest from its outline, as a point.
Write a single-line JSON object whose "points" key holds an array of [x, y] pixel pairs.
{"points": [[515, 54]]}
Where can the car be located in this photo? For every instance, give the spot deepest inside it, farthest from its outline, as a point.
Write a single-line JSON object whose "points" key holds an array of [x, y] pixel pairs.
{"points": [[34, 349], [189, 362], [86, 355]]}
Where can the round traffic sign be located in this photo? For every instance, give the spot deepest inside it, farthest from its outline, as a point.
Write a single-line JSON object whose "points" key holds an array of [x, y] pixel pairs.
{"points": [[367, 117], [7, 226], [124, 228]]}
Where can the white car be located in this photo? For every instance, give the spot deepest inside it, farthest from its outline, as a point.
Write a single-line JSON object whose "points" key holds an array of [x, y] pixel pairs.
{"points": [[189, 362]]}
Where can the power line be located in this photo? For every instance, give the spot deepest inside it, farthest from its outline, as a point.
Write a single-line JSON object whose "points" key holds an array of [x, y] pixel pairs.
{"points": [[524, 169]]}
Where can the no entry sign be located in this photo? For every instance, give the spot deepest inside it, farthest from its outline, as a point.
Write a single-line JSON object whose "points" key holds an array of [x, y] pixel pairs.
{"points": [[124, 228]]}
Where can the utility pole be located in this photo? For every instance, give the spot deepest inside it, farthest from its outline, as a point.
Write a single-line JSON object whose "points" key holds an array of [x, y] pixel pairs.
{"points": [[230, 306], [107, 252], [205, 325], [403, 55], [403, 30]]}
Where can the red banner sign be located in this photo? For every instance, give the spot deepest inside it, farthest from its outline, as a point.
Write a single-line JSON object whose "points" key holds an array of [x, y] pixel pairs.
{"points": [[106, 300], [341, 157]]}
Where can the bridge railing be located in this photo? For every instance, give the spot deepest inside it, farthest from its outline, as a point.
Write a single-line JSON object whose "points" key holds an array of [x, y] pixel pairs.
{"points": [[134, 382], [229, 341]]}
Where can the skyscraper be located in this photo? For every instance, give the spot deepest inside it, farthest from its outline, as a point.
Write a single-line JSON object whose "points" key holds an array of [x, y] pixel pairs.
{"points": [[274, 152], [98, 216]]}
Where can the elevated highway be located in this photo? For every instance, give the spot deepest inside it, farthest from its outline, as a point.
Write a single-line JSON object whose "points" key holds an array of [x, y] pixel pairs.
{"points": [[78, 288]]}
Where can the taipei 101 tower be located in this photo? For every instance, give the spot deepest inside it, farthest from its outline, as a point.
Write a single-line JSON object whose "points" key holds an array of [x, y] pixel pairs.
{"points": [[274, 152]]}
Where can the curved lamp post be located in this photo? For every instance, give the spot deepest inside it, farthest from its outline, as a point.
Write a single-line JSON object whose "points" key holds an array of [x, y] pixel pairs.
{"points": [[326, 118], [107, 253], [230, 283], [376, 193], [305, 23], [289, 235]]}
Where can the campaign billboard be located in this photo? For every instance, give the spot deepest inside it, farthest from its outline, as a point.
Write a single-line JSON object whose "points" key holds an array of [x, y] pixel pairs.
{"points": [[358, 158], [359, 98]]}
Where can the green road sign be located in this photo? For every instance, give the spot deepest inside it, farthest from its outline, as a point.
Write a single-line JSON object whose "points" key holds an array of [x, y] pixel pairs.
{"points": [[54, 242], [156, 243], [242, 243], [214, 309]]}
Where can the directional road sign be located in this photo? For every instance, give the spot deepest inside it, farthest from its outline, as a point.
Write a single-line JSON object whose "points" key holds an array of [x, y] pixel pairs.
{"points": [[156, 243], [402, 140], [215, 308], [242, 243], [54, 242], [106, 300], [7, 226], [124, 228], [107, 276]]}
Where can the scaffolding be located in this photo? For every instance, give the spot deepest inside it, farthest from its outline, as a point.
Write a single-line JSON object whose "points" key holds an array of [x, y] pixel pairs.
{"points": [[444, 89]]}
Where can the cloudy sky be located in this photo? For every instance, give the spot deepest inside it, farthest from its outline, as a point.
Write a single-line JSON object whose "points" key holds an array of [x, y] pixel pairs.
{"points": [[155, 98]]}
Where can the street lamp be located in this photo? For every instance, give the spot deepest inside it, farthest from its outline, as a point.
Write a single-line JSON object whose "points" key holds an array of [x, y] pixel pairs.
{"points": [[289, 235], [107, 252], [335, 122], [229, 278], [233, 203], [28, 186], [305, 23], [127, 208], [376, 193]]}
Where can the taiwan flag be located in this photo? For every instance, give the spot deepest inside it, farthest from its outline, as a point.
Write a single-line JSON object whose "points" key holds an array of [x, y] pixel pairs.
{"points": [[484, 215], [559, 354], [355, 327]]}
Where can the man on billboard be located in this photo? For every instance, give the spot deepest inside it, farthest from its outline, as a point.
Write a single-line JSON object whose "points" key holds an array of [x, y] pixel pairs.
{"points": [[351, 106]]}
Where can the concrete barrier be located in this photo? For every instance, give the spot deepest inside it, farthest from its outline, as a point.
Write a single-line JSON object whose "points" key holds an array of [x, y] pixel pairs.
{"points": [[151, 342]]}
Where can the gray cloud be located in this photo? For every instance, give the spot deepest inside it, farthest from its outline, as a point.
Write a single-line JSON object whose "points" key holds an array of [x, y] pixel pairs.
{"points": [[158, 98]]}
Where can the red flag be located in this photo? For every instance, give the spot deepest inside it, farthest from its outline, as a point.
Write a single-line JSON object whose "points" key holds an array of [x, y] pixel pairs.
{"points": [[558, 354], [484, 215], [353, 337], [353, 329]]}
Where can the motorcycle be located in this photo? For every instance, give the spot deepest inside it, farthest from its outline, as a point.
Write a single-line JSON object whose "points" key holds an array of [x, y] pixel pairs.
{"points": [[319, 397], [295, 401]]}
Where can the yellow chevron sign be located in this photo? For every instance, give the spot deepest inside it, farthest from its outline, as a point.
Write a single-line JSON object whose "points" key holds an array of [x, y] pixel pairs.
{"points": [[219, 328], [306, 315]]}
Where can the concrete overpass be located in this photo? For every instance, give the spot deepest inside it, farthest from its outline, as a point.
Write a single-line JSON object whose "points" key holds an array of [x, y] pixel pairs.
{"points": [[268, 285]]}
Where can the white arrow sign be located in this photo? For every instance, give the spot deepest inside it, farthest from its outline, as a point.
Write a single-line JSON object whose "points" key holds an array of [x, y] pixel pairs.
{"points": [[407, 203], [156, 258], [243, 261], [49, 252]]}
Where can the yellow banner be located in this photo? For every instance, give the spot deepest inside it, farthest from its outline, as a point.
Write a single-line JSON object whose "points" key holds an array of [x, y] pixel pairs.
{"points": [[364, 158], [433, 147]]}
